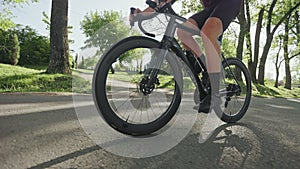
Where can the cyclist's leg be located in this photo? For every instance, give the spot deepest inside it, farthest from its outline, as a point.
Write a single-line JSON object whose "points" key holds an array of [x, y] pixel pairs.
{"points": [[210, 32], [220, 18], [196, 22], [187, 39]]}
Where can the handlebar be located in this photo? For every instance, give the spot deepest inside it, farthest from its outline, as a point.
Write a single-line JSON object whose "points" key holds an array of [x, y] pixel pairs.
{"points": [[166, 8]]}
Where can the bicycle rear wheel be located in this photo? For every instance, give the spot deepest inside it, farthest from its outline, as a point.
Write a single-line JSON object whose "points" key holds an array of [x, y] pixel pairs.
{"points": [[131, 99], [236, 90]]}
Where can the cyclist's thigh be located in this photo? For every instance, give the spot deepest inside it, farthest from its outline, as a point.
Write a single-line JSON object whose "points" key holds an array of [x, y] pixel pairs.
{"points": [[226, 11], [201, 17]]}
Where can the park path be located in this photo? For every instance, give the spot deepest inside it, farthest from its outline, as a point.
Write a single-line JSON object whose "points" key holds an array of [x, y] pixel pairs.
{"points": [[42, 131]]}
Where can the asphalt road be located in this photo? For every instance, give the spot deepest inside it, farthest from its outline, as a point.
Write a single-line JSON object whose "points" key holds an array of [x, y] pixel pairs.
{"points": [[42, 131]]}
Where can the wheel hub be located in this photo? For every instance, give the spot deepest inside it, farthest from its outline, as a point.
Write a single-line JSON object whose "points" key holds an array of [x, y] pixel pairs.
{"points": [[146, 86], [232, 89]]}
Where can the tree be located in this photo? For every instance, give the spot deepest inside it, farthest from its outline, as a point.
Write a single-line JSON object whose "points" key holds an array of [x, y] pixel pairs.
{"points": [[274, 20], [253, 65], [76, 61], [277, 59], [59, 59], [289, 39], [5, 50], [15, 51], [9, 47], [103, 29]]}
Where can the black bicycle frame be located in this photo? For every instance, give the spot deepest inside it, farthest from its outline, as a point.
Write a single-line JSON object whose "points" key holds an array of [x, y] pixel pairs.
{"points": [[169, 42]]}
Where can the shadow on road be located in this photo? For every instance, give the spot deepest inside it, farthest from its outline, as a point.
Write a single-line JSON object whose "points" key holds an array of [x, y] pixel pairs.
{"points": [[66, 157], [208, 154]]}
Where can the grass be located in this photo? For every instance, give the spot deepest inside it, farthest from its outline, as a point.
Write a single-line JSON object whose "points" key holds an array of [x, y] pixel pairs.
{"points": [[257, 90], [165, 81], [270, 91], [20, 79]]}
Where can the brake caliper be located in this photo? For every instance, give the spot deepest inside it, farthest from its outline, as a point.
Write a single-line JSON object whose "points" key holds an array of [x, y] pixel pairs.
{"points": [[146, 87]]}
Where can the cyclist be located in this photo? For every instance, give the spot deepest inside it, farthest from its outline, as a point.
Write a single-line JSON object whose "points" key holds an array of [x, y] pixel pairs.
{"points": [[213, 20]]}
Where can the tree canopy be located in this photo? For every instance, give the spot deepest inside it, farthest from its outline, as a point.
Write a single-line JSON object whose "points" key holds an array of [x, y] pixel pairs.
{"points": [[103, 29], [6, 15]]}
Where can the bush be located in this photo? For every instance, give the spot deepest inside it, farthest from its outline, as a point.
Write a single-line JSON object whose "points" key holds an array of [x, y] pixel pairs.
{"points": [[9, 48], [35, 49]]}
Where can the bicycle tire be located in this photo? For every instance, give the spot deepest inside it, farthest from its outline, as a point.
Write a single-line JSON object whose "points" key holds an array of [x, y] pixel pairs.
{"points": [[232, 113], [101, 98]]}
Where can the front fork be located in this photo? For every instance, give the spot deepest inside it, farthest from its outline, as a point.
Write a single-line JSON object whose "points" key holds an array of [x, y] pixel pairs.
{"points": [[167, 44]]}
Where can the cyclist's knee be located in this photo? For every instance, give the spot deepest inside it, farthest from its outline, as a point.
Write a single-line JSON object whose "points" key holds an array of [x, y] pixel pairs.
{"points": [[212, 29]]}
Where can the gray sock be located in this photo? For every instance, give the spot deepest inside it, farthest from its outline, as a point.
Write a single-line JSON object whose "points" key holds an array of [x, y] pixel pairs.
{"points": [[214, 82]]}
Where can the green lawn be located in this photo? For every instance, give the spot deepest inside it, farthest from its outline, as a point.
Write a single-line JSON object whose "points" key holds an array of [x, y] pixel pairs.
{"points": [[20, 79], [270, 91], [165, 81], [257, 90]]}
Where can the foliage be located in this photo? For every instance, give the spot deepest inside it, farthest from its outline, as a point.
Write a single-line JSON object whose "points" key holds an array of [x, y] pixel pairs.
{"points": [[6, 14], [47, 20], [35, 49], [296, 70], [274, 13], [6, 19], [103, 29], [228, 46], [17, 2], [89, 63], [71, 61], [9, 48], [190, 6]]}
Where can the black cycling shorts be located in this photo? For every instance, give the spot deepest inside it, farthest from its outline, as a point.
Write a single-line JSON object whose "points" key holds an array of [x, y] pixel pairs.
{"points": [[225, 10]]}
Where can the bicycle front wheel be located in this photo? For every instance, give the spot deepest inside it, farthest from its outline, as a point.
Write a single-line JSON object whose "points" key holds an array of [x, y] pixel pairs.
{"points": [[236, 90], [140, 95]]}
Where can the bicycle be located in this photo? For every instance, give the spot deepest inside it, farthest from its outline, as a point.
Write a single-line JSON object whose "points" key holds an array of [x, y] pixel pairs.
{"points": [[140, 102]]}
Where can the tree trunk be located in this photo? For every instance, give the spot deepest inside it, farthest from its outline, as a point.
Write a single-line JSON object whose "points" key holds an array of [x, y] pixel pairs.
{"points": [[240, 46], [277, 78], [248, 35], [288, 77], [297, 26], [253, 67], [277, 65], [263, 59], [59, 59]]}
